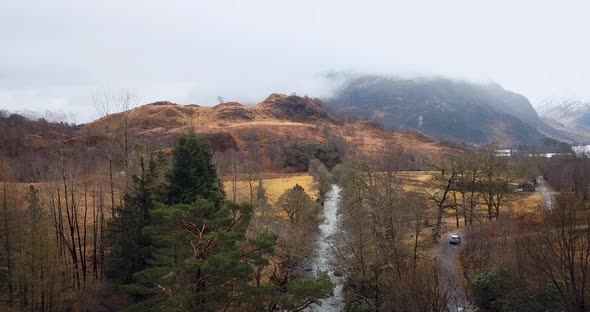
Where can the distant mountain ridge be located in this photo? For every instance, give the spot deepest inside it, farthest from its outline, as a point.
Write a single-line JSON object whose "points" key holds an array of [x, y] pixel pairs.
{"points": [[448, 109], [567, 114]]}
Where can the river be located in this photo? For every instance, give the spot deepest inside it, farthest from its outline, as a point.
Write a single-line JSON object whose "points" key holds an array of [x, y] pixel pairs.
{"points": [[324, 252]]}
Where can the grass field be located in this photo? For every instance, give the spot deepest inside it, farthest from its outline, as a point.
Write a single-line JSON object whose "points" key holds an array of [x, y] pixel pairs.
{"points": [[275, 186], [517, 204], [420, 181]]}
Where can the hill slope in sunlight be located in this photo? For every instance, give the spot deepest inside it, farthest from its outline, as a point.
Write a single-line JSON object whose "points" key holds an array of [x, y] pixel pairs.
{"points": [[274, 127]]}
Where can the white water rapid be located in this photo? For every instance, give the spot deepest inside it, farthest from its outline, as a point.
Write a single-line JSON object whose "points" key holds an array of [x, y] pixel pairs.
{"points": [[322, 261]]}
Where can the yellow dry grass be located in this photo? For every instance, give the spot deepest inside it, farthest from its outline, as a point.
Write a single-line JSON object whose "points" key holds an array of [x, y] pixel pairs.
{"points": [[275, 187], [526, 204], [415, 176], [416, 181], [516, 204]]}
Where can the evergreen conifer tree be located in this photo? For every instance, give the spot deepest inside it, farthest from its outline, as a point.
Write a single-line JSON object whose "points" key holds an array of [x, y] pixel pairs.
{"points": [[130, 245], [193, 173], [201, 257]]}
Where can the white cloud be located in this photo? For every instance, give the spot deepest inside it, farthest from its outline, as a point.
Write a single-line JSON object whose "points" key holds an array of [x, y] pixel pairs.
{"points": [[56, 52]]}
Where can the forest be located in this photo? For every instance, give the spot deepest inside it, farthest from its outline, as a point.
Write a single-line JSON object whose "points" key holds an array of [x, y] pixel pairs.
{"points": [[294, 156], [106, 222]]}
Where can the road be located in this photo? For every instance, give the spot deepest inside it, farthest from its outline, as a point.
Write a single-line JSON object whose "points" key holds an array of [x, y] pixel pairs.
{"points": [[449, 273], [448, 258]]}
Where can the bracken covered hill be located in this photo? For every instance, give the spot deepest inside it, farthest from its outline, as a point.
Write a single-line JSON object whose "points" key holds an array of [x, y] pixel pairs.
{"points": [[282, 132], [272, 126]]}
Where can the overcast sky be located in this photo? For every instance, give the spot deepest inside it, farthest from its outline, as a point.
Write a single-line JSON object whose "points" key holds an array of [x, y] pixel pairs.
{"points": [[54, 54]]}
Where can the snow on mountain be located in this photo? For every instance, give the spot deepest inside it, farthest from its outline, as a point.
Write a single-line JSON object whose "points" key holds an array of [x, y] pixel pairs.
{"points": [[550, 105], [567, 114]]}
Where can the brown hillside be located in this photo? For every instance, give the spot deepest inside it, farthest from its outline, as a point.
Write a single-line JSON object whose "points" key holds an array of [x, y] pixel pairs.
{"points": [[280, 132], [271, 126]]}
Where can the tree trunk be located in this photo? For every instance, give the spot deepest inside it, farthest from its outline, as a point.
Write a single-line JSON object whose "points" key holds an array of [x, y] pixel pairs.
{"points": [[439, 215], [71, 227], [7, 248], [112, 186], [95, 218]]}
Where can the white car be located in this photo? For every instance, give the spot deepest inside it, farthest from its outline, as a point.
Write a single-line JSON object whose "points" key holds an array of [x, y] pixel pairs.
{"points": [[455, 239]]}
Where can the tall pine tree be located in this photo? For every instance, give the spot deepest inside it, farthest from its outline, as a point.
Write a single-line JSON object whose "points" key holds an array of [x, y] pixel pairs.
{"points": [[201, 257], [130, 245], [193, 174]]}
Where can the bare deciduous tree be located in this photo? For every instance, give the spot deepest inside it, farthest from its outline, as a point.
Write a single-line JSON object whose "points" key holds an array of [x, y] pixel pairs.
{"points": [[447, 171], [494, 178], [117, 130], [321, 178], [293, 244], [561, 251]]}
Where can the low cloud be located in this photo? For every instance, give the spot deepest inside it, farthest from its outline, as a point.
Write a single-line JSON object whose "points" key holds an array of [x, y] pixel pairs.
{"points": [[55, 54]]}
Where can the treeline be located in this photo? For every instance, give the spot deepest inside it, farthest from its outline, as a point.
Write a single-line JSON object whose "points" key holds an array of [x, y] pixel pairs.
{"points": [[388, 228], [284, 153], [163, 239], [31, 147], [378, 248], [191, 250], [53, 235], [27, 145], [568, 174], [466, 182], [545, 145], [109, 221], [538, 264], [382, 249], [194, 251]]}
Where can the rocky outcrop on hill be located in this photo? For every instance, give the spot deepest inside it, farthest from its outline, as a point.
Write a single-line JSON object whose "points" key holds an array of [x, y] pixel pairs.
{"points": [[295, 108]]}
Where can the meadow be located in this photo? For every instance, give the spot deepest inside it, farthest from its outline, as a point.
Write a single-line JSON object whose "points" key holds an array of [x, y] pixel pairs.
{"points": [[275, 186]]}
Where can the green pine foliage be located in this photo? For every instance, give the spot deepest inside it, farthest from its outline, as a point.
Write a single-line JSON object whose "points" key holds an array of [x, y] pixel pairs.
{"points": [[202, 260], [304, 292], [298, 155], [193, 173], [498, 290], [196, 251], [130, 246]]}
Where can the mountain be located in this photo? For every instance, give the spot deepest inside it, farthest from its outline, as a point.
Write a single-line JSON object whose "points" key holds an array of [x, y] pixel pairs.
{"points": [[281, 132], [568, 115], [444, 108], [273, 126]]}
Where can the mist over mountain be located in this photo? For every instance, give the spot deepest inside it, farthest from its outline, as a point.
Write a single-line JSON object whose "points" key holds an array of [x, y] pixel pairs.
{"points": [[49, 115], [450, 109]]}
